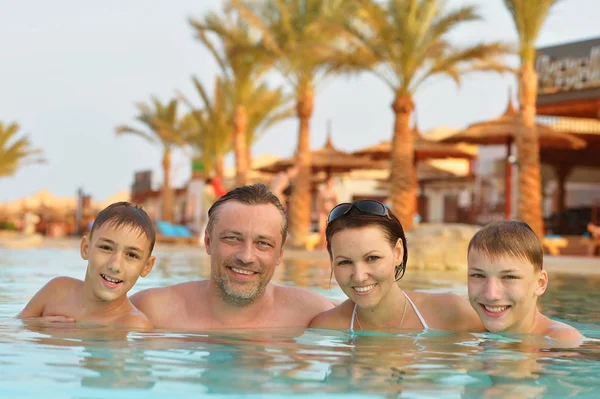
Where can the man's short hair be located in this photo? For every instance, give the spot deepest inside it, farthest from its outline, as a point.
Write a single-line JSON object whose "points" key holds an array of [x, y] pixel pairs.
{"points": [[255, 194], [512, 238], [121, 214]]}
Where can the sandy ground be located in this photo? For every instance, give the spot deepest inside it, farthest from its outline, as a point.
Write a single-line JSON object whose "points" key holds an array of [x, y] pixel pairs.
{"points": [[554, 264]]}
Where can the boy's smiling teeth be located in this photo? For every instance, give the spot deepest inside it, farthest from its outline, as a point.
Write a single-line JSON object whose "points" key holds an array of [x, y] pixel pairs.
{"points": [[365, 288], [111, 280], [495, 309], [242, 271]]}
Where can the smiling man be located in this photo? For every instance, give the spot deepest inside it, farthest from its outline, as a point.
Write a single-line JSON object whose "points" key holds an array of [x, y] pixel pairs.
{"points": [[506, 278], [245, 235]]}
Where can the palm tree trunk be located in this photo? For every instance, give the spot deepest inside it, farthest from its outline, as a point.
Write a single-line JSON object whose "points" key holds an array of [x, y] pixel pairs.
{"points": [[529, 207], [240, 121], [402, 188], [167, 192], [300, 211], [248, 157], [219, 168]]}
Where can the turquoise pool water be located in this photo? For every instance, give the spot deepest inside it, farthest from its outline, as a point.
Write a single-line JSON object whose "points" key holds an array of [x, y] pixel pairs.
{"points": [[84, 362]]}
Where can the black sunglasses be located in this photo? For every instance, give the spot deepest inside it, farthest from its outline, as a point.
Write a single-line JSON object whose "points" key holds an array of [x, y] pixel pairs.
{"points": [[367, 206]]}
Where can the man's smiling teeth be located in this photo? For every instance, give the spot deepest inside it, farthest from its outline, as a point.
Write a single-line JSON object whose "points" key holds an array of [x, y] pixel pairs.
{"points": [[242, 271], [365, 288], [111, 280], [495, 309]]}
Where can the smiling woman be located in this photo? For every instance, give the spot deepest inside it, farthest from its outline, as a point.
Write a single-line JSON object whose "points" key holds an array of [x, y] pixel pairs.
{"points": [[369, 254]]}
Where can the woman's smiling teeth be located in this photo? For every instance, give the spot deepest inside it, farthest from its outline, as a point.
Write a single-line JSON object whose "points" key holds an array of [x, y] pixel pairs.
{"points": [[111, 280], [242, 271], [365, 288], [495, 309]]}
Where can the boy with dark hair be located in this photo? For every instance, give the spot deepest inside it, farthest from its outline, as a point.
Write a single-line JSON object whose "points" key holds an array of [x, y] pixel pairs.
{"points": [[119, 251], [506, 277]]}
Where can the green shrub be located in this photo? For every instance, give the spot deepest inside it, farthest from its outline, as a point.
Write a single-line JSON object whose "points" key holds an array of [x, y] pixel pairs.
{"points": [[8, 226]]}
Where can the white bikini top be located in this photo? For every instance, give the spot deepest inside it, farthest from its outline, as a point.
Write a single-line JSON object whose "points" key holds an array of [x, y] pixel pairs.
{"points": [[425, 326]]}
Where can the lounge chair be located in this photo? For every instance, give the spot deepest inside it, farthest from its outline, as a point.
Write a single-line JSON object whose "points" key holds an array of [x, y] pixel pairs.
{"points": [[174, 233]]}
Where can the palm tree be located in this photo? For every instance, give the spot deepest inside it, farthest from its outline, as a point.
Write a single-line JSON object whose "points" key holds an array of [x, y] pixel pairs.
{"points": [[213, 123], [163, 126], [242, 70], [298, 37], [529, 17], [15, 152], [404, 43], [211, 135], [266, 107]]}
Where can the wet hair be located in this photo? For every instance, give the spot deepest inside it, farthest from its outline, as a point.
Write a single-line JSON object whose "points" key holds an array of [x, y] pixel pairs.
{"points": [[356, 219], [126, 214], [513, 238], [255, 194]]}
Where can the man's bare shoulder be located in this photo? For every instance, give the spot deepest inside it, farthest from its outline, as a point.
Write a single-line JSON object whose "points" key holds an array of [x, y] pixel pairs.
{"points": [[336, 318], [159, 303], [302, 297], [173, 292]]}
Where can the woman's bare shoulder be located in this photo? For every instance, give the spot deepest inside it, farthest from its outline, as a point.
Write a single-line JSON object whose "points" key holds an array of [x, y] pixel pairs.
{"points": [[447, 311]]}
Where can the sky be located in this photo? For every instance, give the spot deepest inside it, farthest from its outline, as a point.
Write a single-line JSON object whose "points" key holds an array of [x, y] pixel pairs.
{"points": [[71, 71]]}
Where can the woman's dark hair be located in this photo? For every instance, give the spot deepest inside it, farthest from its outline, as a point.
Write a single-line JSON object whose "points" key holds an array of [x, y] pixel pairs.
{"points": [[356, 219]]}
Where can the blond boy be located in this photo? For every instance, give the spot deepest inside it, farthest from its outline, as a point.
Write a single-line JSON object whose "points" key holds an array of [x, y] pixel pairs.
{"points": [[506, 278]]}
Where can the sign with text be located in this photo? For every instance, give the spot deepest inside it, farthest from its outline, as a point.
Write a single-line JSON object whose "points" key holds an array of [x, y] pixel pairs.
{"points": [[568, 67]]}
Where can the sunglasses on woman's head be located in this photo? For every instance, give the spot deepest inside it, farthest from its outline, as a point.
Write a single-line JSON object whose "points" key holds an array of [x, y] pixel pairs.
{"points": [[367, 206]]}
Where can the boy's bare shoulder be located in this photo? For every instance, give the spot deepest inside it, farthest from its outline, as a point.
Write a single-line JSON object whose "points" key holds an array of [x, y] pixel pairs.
{"points": [[336, 318], [562, 332], [135, 319], [64, 282]]}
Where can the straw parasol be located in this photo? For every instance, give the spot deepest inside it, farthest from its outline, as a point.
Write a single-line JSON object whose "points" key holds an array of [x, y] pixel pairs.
{"points": [[328, 159], [503, 131], [423, 149]]}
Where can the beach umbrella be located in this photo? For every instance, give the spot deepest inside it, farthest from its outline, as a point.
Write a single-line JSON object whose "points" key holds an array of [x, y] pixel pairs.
{"points": [[503, 130]]}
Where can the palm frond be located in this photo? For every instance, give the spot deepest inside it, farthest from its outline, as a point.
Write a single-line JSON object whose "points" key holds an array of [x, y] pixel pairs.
{"points": [[529, 17], [16, 153]]}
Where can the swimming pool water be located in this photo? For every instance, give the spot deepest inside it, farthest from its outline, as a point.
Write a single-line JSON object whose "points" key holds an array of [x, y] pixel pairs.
{"points": [[91, 362]]}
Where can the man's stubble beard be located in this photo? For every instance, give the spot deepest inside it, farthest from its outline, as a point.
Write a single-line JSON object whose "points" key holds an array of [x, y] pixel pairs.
{"points": [[233, 297]]}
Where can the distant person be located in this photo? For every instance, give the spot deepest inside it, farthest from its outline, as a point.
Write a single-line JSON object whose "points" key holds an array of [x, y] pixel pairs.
{"points": [[282, 184], [506, 278], [118, 251], [368, 251], [208, 199], [218, 188], [245, 237], [30, 222], [327, 198], [594, 230]]}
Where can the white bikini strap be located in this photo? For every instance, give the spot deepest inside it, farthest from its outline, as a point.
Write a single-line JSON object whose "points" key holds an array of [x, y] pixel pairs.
{"points": [[425, 326], [353, 316]]}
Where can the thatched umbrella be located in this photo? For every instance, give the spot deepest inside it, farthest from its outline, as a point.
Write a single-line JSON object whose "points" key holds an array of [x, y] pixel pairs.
{"points": [[565, 160], [328, 159], [423, 149], [503, 131]]}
